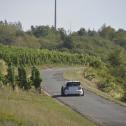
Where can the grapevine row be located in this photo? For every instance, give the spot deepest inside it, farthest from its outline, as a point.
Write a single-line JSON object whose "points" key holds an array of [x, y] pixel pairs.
{"points": [[27, 56]]}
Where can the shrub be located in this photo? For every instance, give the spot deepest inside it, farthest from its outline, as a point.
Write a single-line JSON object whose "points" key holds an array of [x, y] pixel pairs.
{"points": [[22, 78], [106, 86], [124, 97], [11, 75], [36, 80]]}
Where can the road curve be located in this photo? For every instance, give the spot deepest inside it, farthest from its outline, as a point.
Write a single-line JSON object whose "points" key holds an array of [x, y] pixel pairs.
{"points": [[92, 106]]}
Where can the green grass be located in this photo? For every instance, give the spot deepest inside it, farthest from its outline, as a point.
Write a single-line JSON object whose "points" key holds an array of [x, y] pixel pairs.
{"points": [[31, 109]]}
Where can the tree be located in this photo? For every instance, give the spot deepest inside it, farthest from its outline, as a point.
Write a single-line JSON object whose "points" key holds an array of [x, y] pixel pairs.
{"points": [[117, 67], [68, 42], [62, 33], [19, 25], [116, 58], [120, 38], [107, 32], [92, 32], [40, 31], [82, 32]]}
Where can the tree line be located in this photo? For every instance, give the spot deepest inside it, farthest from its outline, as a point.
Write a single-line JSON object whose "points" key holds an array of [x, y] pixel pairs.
{"points": [[82, 41]]}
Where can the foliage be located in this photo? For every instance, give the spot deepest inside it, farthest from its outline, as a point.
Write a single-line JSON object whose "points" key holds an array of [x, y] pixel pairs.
{"points": [[92, 42], [117, 58], [68, 42], [124, 97], [25, 56], [36, 77], [82, 32], [106, 86], [11, 75], [117, 67], [22, 78], [107, 32], [105, 80], [33, 71], [120, 38], [12, 34]]}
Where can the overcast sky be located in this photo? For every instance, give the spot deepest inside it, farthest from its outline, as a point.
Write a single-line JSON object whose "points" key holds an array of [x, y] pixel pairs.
{"points": [[72, 14]]}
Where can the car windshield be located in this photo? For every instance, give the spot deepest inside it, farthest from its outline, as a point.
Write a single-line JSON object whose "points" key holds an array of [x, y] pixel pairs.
{"points": [[69, 84]]}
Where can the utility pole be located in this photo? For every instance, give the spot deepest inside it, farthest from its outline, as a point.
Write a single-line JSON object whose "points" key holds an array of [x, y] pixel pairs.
{"points": [[55, 17]]}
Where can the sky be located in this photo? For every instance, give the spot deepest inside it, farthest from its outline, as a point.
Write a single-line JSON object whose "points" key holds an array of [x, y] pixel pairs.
{"points": [[71, 14]]}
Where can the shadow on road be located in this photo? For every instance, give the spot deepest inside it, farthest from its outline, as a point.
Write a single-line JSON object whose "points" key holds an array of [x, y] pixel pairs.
{"points": [[58, 96]]}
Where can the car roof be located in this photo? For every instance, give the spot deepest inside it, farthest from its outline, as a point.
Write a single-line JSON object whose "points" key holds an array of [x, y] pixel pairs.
{"points": [[71, 82]]}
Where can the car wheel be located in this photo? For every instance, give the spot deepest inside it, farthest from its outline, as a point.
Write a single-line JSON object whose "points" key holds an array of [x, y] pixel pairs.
{"points": [[62, 91]]}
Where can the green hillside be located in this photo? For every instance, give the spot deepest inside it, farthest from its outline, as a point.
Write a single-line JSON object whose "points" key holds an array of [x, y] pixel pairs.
{"points": [[98, 43]]}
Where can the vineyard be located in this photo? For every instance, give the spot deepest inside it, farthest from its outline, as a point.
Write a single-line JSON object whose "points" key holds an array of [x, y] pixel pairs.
{"points": [[27, 56]]}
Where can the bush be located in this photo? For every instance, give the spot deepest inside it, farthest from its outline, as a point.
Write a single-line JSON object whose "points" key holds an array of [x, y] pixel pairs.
{"points": [[124, 97], [11, 75], [96, 64], [106, 86], [36, 80], [22, 79], [90, 77]]}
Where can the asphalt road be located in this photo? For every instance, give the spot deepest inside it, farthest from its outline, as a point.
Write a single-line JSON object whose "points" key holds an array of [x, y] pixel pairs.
{"points": [[92, 106]]}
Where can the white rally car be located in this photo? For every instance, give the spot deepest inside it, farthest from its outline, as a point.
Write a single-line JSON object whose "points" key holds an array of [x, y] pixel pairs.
{"points": [[72, 88]]}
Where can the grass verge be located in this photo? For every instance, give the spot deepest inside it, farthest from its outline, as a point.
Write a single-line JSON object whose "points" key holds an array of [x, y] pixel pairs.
{"points": [[31, 109]]}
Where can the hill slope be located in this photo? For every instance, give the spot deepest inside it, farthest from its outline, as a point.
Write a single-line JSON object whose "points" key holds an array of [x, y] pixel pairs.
{"points": [[98, 43]]}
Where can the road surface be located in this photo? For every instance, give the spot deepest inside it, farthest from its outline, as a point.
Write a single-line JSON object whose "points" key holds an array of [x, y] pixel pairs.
{"points": [[96, 108]]}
